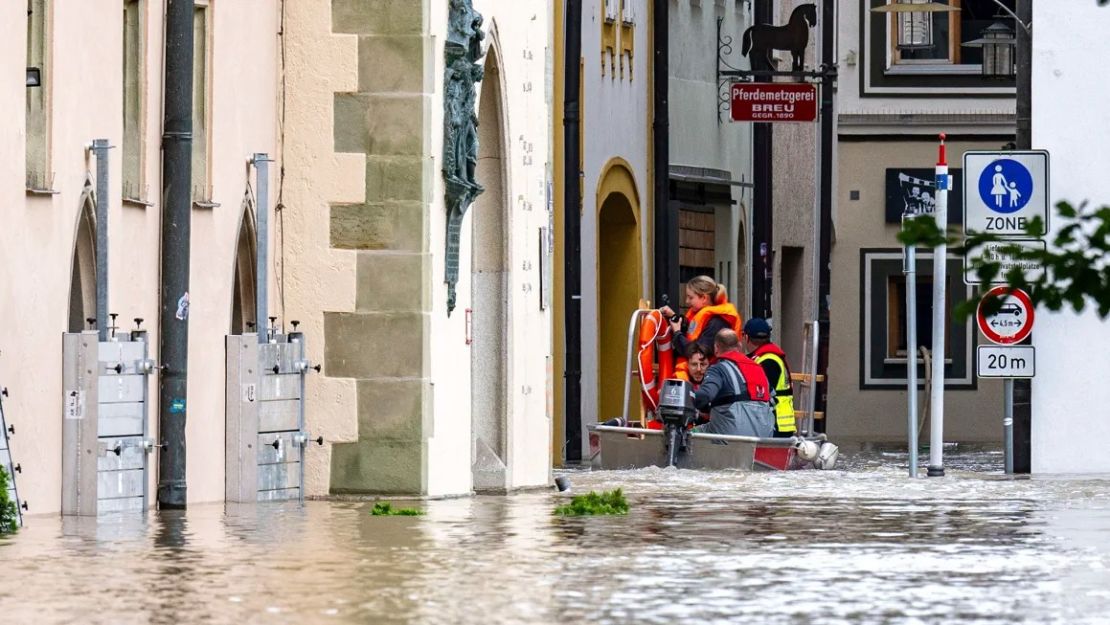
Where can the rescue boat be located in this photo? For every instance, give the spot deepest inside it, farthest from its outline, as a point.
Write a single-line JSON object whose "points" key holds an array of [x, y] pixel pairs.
{"points": [[626, 444]]}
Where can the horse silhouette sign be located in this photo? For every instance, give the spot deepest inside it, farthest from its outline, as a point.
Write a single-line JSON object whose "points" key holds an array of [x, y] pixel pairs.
{"points": [[761, 40], [774, 102]]}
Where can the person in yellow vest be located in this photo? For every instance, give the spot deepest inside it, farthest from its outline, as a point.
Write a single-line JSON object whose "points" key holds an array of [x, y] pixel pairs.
{"points": [[708, 312], [757, 337]]}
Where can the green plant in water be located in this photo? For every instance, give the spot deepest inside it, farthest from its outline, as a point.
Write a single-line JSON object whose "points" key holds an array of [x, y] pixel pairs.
{"points": [[9, 514], [384, 508], [610, 502]]}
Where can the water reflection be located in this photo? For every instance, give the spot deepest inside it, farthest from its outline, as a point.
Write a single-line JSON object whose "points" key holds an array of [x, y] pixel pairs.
{"points": [[858, 545]]}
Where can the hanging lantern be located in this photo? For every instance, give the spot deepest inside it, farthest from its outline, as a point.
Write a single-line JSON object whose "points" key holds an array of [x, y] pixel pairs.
{"points": [[998, 43], [915, 21]]}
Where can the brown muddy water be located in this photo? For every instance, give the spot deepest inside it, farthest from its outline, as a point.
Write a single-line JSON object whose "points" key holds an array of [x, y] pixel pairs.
{"points": [[862, 544]]}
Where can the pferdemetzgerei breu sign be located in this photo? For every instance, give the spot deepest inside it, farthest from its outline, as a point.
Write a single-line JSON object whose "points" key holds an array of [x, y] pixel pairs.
{"points": [[1004, 191], [773, 102]]}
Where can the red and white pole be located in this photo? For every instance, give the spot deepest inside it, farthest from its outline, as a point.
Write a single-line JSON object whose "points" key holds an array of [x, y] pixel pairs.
{"points": [[940, 315]]}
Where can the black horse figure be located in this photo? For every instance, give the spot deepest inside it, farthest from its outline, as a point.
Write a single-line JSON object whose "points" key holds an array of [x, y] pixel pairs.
{"points": [[761, 39]]}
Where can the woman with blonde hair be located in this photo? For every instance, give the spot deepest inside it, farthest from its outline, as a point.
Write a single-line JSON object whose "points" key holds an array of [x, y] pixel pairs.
{"points": [[708, 312]]}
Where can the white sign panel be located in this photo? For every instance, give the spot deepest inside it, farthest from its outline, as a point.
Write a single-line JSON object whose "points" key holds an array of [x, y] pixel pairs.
{"points": [[1014, 361], [992, 253], [1004, 191]]}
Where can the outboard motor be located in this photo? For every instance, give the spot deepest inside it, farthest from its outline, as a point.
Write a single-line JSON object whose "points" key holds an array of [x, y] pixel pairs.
{"points": [[678, 413]]}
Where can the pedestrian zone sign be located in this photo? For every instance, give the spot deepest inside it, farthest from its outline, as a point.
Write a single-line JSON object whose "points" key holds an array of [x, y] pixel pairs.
{"points": [[1004, 191]]}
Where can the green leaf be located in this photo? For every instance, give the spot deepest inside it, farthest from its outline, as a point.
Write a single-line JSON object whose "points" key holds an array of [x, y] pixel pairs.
{"points": [[384, 508], [593, 503]]}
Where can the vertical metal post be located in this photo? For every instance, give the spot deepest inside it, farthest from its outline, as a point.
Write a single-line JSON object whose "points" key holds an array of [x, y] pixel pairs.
{"points": [[1023, 55], [1008, 424], [825, 192], [100, 147], [177, 171], [940, 318], [910, 270], [261, 162]]}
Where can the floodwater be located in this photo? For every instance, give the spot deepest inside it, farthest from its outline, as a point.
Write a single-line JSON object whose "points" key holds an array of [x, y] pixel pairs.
{"points": [[862, 544]]}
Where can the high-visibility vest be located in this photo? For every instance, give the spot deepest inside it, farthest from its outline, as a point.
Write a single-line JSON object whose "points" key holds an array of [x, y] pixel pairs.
{"points": [[725, 310], [784, 392]]}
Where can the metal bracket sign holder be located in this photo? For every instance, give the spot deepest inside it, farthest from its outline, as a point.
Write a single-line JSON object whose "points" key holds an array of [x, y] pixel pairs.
{"points": [[1003, 191], [6, 462]]}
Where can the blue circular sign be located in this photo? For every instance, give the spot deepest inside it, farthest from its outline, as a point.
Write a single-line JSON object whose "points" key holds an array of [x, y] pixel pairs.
{"points": [[1005, 186]]}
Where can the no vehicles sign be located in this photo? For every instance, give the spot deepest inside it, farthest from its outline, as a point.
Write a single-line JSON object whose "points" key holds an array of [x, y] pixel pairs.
{"points": [[1004, 191]]}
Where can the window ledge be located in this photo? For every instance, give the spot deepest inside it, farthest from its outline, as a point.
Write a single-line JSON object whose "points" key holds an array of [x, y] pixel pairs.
{"points": [[205, 204], [933, 69], [134, 201], [41, 192]]}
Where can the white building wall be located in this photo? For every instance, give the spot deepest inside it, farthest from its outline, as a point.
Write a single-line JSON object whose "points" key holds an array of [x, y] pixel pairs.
{"points": [[520, 31], [1070, 396], [701, 133], [616, 124], [36, 243]]}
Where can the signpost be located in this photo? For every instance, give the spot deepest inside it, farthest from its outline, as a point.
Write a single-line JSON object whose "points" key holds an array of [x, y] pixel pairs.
{"points": [[1003, 192], [1010, 324], [773, 102]]}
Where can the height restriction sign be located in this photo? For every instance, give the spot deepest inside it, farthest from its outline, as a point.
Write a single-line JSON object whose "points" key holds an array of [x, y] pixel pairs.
{"points": [[1012, 322]]}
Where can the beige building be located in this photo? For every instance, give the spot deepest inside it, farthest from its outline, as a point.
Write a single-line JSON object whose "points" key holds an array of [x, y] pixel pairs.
{"points": [[898, 89], [347, 98]]}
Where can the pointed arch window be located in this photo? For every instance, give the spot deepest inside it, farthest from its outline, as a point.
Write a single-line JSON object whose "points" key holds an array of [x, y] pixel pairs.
{"points": [[82, 289], [244, 294]]}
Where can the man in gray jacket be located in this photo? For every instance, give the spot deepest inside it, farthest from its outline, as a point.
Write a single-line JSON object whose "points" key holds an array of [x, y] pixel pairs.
{"points": [[735, 392]]}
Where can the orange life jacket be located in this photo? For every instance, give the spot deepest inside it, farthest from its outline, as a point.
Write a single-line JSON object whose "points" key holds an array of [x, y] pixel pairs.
{"points": [[699, 320]]}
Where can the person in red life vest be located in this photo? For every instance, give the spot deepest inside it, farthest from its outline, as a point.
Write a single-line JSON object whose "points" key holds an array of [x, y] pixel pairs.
{"points": [[735, 392], [757, 342], [708, 313]]}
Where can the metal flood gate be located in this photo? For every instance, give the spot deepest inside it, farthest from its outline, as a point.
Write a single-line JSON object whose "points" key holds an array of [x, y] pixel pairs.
{"points": [[105, 440], [266, 436], [6, 462]]}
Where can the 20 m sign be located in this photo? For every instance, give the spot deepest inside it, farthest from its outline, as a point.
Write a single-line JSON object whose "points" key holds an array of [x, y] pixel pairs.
{"points": [[773, 102]]}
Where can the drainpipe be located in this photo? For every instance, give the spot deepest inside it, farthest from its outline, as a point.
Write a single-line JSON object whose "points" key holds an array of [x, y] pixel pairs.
{"points": [[177, 143], [665, 220], [1023, 392], [824, 282], [572, 244], [762, 226]]}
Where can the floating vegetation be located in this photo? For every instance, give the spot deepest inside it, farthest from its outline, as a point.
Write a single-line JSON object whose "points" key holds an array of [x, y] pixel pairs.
{"points": [[9, 514], [384, 508], [592, 503]]}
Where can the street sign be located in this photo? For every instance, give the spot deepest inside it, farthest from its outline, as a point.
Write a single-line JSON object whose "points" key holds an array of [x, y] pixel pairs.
{"points": [[773, 102], [992, 252], [1003, 191], [1012, 322], [1012, 361]]}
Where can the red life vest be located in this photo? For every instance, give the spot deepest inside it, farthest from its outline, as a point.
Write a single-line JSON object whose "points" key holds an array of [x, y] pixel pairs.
{"points": [[755, 380]]}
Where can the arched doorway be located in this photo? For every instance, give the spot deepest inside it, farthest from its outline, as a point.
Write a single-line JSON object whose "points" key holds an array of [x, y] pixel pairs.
{"points": [[243, 295], [618, 283], [490, 326], [82, 288]]}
